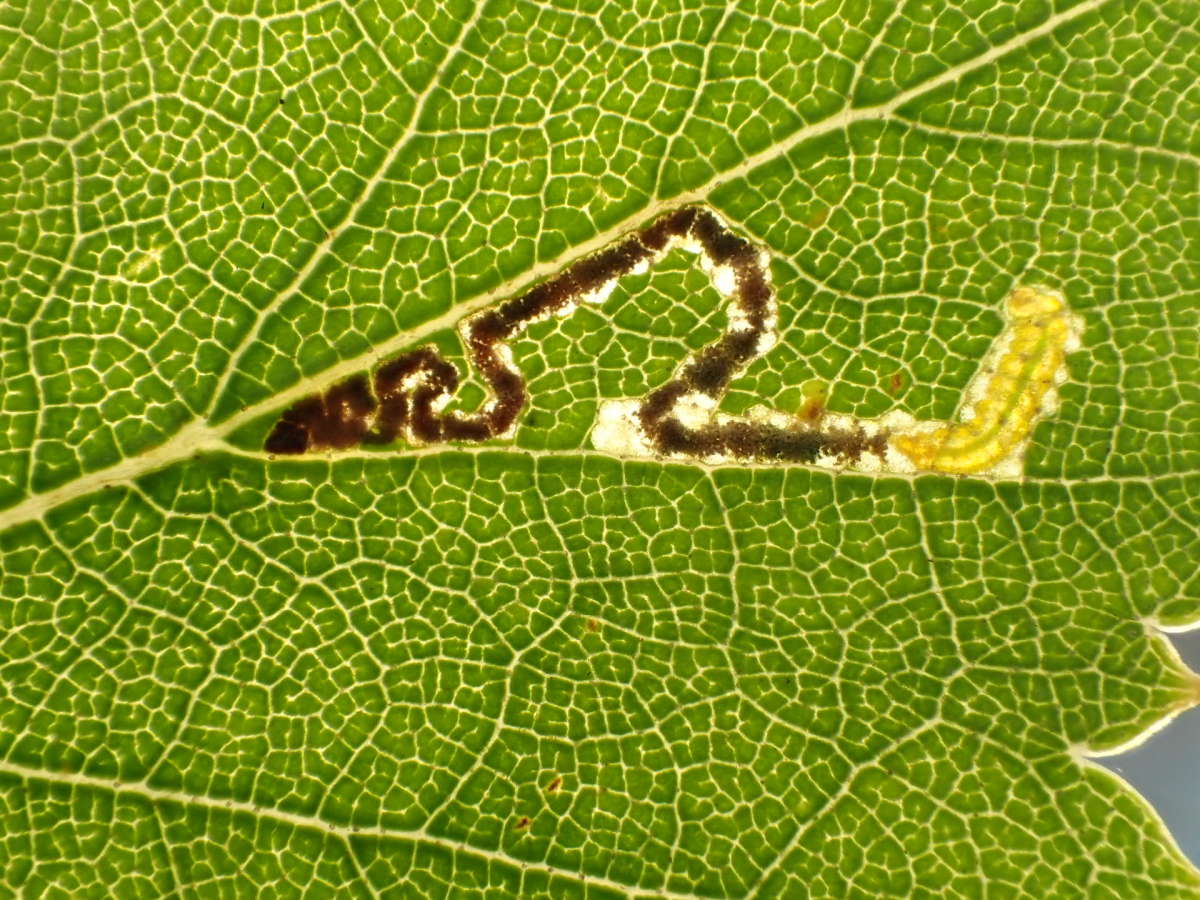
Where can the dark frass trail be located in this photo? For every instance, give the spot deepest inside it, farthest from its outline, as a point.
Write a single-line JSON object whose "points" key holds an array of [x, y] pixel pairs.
{"points": [[405, 397]]}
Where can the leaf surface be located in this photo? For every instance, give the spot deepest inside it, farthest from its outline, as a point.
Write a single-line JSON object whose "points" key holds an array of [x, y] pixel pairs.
{"points": [[529, 667]]}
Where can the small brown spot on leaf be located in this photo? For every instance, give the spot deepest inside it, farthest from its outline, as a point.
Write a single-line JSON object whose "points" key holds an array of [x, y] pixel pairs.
{"points": [[812, 407]]}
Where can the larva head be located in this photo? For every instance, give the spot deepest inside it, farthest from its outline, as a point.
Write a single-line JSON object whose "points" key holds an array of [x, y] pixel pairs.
{"points": [[1030, 303]]}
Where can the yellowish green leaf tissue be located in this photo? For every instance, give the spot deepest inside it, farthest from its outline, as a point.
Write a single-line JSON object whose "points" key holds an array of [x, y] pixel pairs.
{"points": [[595, 448]]}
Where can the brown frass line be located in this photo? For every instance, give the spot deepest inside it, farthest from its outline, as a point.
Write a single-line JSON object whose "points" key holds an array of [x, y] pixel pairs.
{"points": [[407, 393]]}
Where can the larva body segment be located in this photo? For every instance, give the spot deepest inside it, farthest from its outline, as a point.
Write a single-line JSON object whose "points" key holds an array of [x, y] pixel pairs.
{"points": [[1011, 396]]}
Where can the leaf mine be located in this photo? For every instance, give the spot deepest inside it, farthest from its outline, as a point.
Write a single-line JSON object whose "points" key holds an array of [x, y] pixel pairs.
{"points": [[407, 397]]}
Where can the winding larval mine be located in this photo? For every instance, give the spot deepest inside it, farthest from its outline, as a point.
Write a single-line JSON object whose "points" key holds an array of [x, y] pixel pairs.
{"points": [[407, 396]]}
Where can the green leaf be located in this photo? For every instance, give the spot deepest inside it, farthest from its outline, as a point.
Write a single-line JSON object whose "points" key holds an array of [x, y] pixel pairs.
{"points": [[529, 667]]}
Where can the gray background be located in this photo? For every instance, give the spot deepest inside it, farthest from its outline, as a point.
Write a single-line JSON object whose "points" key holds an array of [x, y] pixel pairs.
{"points": [[1166, 768]]}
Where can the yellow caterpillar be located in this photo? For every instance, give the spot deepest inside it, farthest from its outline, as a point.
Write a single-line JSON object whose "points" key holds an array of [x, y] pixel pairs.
{"points": [[1010, 399]]}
